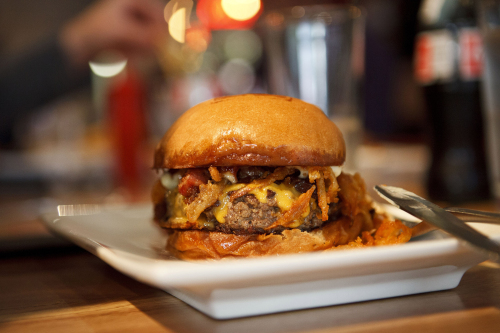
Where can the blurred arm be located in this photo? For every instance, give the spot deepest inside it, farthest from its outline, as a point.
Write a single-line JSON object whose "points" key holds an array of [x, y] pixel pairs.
{"points": [[60, 64]]}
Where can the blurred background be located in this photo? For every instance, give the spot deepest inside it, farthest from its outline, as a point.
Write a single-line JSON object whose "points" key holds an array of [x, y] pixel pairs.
{"points": [[87, 89]]}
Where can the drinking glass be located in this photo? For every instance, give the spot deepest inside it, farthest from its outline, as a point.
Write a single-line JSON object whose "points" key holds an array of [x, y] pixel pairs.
{"points": [[316, 53]]}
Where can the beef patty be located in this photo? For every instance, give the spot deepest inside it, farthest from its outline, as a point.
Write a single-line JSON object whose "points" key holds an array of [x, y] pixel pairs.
{"points": [[247, 215]]}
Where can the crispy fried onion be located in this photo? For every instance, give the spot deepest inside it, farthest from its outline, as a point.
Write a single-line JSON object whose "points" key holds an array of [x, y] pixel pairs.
{"points": [[214, 173], [296, 210], [388, 232], [333, 186], [209, 194], [353, 194], [278, 174], [318, 175]]}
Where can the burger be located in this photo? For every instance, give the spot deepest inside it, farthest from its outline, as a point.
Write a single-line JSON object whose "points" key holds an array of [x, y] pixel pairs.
{"points": [[254, 175]]}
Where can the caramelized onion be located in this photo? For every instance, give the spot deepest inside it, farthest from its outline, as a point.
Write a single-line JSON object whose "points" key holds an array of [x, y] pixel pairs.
{"points": [[316, 174], [214, 173], [209, 194], [278, 174], [352, 194], [295, 211], [322, 200], [333, 186]]}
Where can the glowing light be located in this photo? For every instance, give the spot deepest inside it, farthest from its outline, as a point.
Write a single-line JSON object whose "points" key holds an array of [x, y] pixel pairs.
{"points": [[241, 10], [108, 69], [176, 14], [214, 17], [177, 25]]}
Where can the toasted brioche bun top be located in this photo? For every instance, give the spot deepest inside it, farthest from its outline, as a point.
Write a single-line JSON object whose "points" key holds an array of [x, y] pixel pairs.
{"points": [[252, 129]]}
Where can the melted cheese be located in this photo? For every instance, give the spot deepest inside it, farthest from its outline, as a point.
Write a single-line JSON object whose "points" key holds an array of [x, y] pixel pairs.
{"points": [[220, 212], [179, 209], [285, 197]]}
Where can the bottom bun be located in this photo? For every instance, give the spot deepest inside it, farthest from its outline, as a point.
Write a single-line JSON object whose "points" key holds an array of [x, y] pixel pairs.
{"points": [[202, 244]]}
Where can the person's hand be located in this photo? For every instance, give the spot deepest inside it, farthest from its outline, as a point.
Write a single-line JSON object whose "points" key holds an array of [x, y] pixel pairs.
{"points": [[128, 26]]}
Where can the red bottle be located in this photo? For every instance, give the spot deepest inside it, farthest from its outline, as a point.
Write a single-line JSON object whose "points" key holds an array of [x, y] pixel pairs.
{"points": [[126, 108]]}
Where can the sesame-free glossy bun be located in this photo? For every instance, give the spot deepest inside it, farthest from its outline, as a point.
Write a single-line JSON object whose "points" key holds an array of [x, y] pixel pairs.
{"points": [[252, 129]]}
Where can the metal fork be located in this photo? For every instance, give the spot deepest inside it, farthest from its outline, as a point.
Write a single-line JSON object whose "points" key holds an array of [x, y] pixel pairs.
{"points": [[467, 215]]}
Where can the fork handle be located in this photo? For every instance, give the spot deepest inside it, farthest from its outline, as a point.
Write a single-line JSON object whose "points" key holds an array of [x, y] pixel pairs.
{"points": [[471, 215]]}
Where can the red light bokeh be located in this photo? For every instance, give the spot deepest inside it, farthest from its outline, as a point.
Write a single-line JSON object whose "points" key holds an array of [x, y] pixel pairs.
{"points": [[213, 17]]}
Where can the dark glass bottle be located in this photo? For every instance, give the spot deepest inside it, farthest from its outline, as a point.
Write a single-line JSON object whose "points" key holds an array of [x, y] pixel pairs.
{"points": [[448, 63]]}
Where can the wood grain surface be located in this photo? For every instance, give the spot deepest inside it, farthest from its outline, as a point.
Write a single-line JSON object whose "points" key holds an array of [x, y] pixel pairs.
{"points": [[69, 290]]}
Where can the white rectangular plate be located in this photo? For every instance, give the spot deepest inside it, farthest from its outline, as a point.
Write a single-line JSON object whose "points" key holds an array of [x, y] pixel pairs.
{"points": [[128, 240]]}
